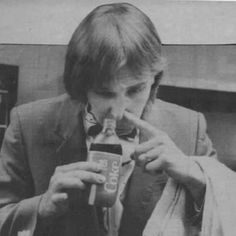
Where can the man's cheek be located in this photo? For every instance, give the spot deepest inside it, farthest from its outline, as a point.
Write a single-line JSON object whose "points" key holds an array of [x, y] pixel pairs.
{"points": [[101, 114], [138, 106]]}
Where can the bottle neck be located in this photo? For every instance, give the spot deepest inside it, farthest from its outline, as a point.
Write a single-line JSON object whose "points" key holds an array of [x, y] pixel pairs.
{"points": [[109, 126]]}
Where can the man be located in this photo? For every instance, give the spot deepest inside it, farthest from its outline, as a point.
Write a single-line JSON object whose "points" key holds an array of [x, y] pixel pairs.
{"points": [[113, 63]]}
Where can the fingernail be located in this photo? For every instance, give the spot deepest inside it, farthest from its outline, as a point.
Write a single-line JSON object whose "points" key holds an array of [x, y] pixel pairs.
{"points": [[101, 179], [141, 158], [99, 167]]}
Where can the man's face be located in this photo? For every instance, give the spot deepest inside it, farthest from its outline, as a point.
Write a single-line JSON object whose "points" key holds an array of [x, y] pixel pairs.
{"points": [[126, 93]]}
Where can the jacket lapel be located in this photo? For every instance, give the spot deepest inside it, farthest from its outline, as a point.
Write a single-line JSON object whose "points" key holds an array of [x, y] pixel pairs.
{"points": [[69, 130]]}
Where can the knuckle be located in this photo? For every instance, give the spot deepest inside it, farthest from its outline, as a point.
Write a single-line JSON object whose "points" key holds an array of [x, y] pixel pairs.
{"points": [[59, 184], [81, 174], [87, 176], [84, 165], [58, 169], [56, 176], [53, 198], [56, 180], [91, 176], [52, 180], [93, 164], [81, 164], [97, 166]]}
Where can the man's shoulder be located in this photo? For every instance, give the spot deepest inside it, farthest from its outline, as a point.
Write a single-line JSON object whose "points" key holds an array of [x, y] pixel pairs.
{"points": [[165, 113], [171, 108], [180, 123], [39, 111], [42, 105]]}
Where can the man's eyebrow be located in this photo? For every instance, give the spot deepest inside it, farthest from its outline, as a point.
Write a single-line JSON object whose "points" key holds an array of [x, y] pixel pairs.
{"points": [[102, 89], [137, 85], [110, 89]]}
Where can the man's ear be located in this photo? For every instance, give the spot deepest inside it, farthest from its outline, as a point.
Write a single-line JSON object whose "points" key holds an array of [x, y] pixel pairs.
{"points": [[155, 85], [157, 78], [153, 94]]}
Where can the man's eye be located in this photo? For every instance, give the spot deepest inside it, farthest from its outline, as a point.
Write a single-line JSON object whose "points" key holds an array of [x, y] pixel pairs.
{"points": [[134, 91], [105, 94]]}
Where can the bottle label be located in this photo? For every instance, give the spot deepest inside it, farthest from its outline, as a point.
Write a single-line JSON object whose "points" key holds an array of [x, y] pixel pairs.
{"points": [[105, 194]]}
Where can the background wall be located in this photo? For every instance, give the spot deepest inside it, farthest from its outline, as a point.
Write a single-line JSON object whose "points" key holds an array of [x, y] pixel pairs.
{"points": [[211, 67], [34, 34], [41, 68], [177, 21]]}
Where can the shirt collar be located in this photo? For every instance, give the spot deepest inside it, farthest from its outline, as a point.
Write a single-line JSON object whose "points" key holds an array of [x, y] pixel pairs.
{"points": [[90, 120], [128, 144]]}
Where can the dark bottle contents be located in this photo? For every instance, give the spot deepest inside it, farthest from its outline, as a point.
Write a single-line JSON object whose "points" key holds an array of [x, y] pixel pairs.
{"points": [[112, 148], [106, 150]]}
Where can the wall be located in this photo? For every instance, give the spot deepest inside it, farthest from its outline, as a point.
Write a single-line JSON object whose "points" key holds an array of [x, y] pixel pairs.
{"points": [[177, 21], [41, 68], [196, 66]]}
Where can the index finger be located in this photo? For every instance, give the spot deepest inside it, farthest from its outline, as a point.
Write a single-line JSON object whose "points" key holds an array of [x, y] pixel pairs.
{"points": [[88, 165], [138, 123]]}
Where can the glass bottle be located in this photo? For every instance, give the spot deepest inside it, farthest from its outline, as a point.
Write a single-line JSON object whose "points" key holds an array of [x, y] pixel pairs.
{"points": [[106, 150]]}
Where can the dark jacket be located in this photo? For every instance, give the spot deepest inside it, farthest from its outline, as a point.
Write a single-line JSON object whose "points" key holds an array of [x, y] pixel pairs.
{"points": [[50, 132]]}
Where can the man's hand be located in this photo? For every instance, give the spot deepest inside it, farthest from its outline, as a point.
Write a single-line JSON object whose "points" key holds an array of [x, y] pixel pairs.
{"points": [[77, 175], [158, 152]]}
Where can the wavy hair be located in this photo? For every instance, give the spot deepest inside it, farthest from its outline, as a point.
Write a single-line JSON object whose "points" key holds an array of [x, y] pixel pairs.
{"points": [[110, 37]]}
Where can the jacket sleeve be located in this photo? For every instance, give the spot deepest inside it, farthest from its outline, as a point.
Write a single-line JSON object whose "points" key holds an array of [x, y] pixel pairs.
{"points": [[205, 148], [18, 205], [204, 145]]}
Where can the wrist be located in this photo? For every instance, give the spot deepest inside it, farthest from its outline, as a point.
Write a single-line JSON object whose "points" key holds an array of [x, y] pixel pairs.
{"points": [[189, 173], [43, 218], [194, 174], [180, 170], [46, 215]]}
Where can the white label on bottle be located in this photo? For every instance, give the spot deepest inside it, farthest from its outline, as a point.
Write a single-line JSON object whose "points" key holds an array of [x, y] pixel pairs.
{"points": [[111, 168]]}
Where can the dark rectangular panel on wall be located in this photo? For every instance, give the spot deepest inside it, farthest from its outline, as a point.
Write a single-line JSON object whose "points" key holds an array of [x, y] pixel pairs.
{"points": [[8, 94], [199, 100]]}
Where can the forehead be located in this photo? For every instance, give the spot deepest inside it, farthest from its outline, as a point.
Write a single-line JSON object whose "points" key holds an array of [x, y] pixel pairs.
{"points": [[126, 78]]}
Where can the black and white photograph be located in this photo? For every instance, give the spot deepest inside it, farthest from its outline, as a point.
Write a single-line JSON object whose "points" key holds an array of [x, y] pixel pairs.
{"points": [[117, 118]]}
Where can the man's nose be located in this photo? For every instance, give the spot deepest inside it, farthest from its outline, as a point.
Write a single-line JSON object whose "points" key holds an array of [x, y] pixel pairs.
{"points": [[118, 106]]}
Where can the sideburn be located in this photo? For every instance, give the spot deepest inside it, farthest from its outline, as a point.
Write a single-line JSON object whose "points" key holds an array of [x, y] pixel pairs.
{"points": [[153, 95]]}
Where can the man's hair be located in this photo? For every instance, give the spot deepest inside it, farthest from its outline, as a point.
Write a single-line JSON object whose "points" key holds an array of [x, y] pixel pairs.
{"points": [[110, 37]]}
